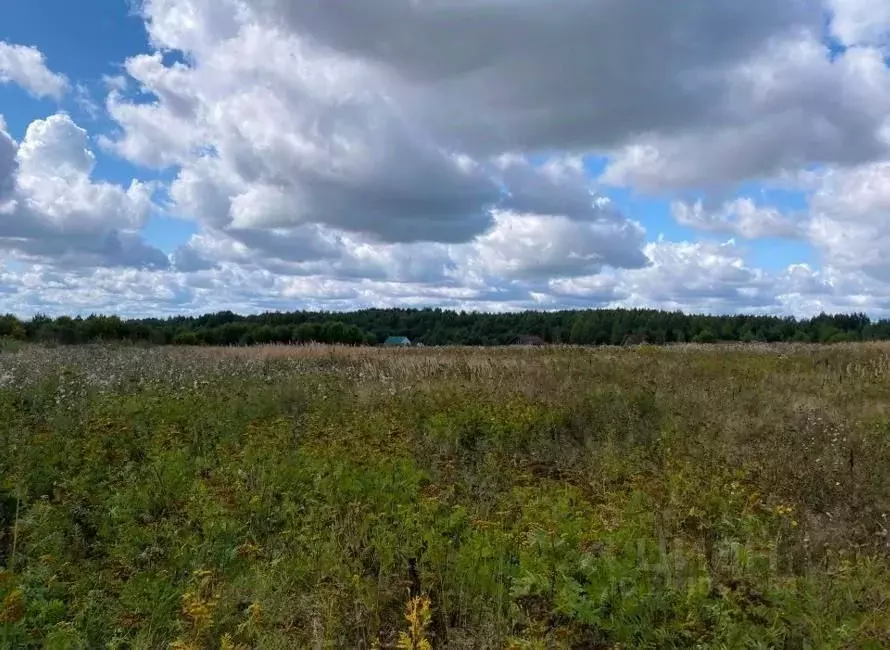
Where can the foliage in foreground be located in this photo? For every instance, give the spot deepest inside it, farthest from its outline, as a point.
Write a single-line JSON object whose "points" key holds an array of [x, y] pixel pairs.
{"points": [[264, 498]]}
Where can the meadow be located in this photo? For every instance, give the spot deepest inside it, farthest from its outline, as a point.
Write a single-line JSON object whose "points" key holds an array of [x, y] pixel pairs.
{"points": [[335, 497]]}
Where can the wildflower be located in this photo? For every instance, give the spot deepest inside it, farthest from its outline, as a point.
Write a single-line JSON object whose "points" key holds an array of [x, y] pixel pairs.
{"points": [[255, 612], [198, 610], [418, 615]]}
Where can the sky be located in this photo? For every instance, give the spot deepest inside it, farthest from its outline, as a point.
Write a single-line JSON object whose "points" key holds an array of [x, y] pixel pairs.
{"points": [[164, 157]]}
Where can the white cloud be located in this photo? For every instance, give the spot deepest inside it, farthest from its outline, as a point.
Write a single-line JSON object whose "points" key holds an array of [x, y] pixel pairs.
{"points": [[741, 217], [306, 118], [860, 22], [805, 291], [84, 100], [703, 273], [51, 208], [278, 139], [270, 133], [26, 67], [561, 186], [533, 75], [850, 219], [8, 148], [715, 278], [700, 276], [787, 108], [358, 117], [412, 152], [117, 82], [534, 247], [313, 250], [695, 277]]}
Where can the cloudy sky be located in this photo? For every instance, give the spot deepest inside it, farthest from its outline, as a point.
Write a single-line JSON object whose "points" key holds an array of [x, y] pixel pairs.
{"points": [[173, 156]]}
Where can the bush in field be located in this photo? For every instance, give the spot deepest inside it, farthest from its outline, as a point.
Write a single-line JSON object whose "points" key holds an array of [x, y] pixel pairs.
{"points": [[705, 336]]}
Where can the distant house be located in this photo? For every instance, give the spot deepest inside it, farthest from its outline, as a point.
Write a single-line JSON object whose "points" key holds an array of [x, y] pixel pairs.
{"points": [[397, 341], [529, 339]]}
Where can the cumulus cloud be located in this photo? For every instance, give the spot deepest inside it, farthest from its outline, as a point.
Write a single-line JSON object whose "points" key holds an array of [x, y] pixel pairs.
{"points": [[8, 149], [850, 219], [26, 66], [51, 208], [685, 94], [860, 22], [392, 120], [741, 217], [702, 276], [271, 133], [695, 277], [561, 186], [534, 247], [533, 75], [788, 107], [300, 151], [401, 97], [412, 152], [314, 251]]}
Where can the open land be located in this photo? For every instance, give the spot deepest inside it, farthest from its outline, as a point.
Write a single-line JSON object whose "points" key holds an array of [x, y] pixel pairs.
{"points": [[334, 497]]}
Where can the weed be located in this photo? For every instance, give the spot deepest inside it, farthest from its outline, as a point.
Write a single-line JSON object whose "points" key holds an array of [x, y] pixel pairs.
{"points": [[418, 615], [695, 496]]}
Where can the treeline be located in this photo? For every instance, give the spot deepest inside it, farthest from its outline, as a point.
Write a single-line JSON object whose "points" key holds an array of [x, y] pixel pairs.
{"points": [[441, 327]]}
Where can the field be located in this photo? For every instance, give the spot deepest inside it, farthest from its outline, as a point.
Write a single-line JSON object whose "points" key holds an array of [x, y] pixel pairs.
{"points": [[325, 497]]}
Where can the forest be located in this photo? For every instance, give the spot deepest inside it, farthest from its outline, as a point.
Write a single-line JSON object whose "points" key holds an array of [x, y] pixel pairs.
{"points": [[444, 327]]}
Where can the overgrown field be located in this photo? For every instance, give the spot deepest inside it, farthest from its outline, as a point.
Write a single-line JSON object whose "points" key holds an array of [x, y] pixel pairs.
{"points": [[502, 498]]}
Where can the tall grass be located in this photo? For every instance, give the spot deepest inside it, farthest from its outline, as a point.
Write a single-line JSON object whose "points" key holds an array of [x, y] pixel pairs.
{"points": [[314, 497]]}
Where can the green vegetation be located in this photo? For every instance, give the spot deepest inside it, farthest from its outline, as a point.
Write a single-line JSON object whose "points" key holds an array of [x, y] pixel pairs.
{"points": [[279, 497], [440, 327]]}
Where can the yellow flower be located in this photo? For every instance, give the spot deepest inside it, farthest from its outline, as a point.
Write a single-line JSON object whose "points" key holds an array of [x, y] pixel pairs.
{"points": [[418, 614], [198, 610], [255, 612]]}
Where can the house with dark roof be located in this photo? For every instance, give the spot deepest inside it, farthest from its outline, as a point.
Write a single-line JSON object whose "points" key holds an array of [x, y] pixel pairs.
{"points": [[397, 341]]}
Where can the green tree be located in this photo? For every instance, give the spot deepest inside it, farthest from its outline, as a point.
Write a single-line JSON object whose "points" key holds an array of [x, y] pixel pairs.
{"points": [[705, 336]]}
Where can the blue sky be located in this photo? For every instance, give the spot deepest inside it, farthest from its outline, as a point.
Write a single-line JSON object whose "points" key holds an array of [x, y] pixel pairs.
{"points": [[277, 156], [86, 42]]}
